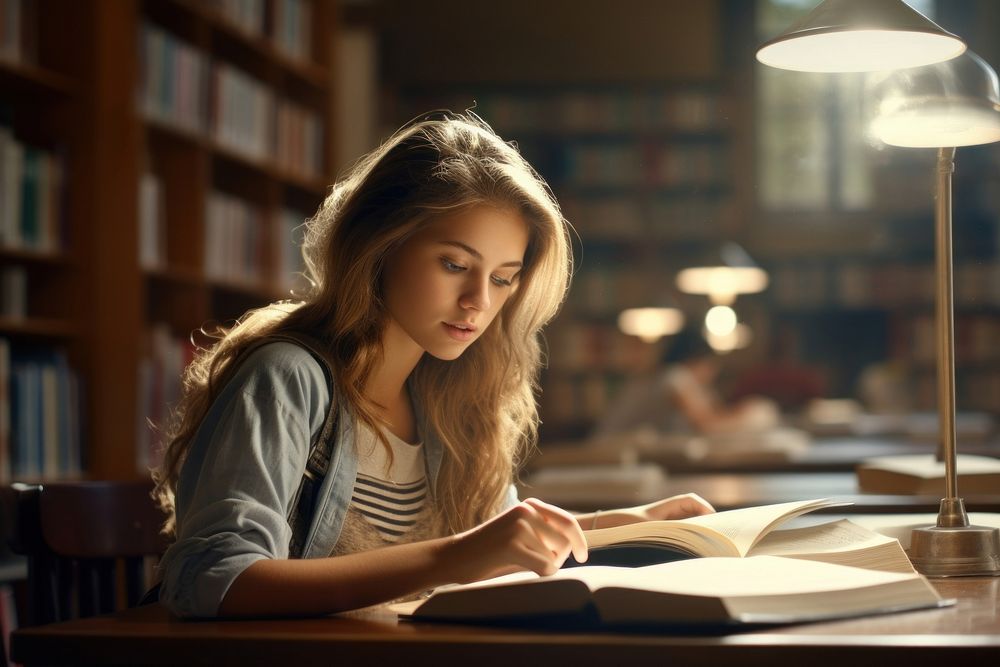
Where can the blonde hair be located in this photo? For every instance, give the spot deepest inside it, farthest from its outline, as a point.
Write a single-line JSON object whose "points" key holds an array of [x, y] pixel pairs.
{"points": [[482, 405]]}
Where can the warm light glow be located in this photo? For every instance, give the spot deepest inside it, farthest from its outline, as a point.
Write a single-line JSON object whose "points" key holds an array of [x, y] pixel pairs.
{"points": [[650, 324], [720, 321], [722, 283], [938, 125], [860, 51], [740, 337]]}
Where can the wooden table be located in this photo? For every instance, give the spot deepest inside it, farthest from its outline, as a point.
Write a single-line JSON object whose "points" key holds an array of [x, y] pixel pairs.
{"points": [[966, 634]]}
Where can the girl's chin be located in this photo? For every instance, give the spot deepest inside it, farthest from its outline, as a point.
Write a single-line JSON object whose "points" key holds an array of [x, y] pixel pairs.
{"points": [[447, 355]]}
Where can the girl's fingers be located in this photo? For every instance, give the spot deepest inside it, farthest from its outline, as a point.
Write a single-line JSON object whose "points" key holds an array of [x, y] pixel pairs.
{"points": [[534, 529], [695, 505], [532, 555], [564, 523]]}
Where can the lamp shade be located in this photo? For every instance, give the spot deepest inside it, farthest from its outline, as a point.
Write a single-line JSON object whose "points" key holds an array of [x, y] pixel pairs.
{"points": [[860, 36], [953, 103], [650, 324], [728, 273]]}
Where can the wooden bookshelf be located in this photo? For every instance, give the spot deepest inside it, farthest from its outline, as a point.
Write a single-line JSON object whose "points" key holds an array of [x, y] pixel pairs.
{"points": [[82, 94]]}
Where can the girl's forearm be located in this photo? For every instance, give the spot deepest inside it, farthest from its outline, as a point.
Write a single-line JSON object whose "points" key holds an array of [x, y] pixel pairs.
{"points": [[340, 583]]}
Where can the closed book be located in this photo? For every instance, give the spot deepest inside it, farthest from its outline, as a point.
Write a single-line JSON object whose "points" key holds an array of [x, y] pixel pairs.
{"points": [[923, 474]]}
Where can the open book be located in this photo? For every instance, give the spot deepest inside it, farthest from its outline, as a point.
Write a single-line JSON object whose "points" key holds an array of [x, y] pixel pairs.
{"points": [[701, 591], [748, 532]]}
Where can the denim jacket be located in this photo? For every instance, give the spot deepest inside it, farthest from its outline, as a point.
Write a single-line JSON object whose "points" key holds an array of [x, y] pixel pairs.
{"points": [[243, 469]]}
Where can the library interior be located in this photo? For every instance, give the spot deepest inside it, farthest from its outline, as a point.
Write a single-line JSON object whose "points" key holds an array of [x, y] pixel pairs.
{"points": [[785, 287]]}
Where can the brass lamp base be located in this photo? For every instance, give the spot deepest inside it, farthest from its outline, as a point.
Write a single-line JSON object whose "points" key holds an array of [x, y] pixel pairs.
{"points": [[953, 548]]}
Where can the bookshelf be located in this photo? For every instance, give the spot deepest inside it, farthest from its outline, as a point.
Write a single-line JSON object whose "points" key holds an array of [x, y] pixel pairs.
{"points": [[895, 300], [190, 134], [867, 295], [645, 174], [42, 327]]}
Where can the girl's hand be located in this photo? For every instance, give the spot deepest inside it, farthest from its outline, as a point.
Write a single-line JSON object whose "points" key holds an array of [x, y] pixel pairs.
{"points": [[532, 535], [675, 507]]}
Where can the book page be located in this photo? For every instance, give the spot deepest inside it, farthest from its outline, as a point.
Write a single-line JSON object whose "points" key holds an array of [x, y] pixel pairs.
{"points": [[757, 575], [730, 533], [720, 577], [842, 535], [594, 576], [741, 588], [744, 527]]}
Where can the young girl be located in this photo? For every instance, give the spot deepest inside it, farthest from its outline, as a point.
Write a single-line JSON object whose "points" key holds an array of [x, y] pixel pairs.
{"points": [[412, 363]]}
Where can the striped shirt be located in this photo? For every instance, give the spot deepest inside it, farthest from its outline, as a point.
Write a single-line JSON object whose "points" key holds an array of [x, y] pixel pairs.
{"points": [[389, 497]]}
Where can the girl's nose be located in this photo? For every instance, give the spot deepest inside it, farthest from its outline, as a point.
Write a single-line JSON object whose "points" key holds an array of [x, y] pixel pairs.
{"points": [[477, 294]]}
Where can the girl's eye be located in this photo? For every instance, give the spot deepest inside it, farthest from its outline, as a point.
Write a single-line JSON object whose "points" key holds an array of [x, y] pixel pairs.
{"points": [[451, 266], [501, 281]]}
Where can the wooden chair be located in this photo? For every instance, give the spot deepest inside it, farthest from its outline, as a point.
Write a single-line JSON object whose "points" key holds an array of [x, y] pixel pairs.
{"points": [[82, 540]]}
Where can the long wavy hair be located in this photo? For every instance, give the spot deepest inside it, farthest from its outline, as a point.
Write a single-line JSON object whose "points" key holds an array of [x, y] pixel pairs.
{"points": [[481, 405]]}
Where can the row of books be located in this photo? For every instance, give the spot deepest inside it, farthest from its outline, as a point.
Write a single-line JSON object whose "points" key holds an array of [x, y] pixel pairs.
{"points": [[582, 111], [605, 286], [651, 164], [160, 382], [13, 292], [976, 391], [31, 196], [576, 400], [882, 285], [299, 146], [591, 346], [173, 79], [152, 223], [243, 112], [247, 15], [619, 218], [976, 339], [286, 22], [179, 86], [234, 239], [17, 30], [292, 26], [234, 247], [40, 421]]}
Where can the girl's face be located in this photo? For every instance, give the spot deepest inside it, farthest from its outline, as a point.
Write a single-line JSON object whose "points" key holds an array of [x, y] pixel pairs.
{"points": [[444, 286]]}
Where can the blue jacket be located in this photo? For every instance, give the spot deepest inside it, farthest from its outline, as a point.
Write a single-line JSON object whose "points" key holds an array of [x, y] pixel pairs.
{"points": [[243, 469]]}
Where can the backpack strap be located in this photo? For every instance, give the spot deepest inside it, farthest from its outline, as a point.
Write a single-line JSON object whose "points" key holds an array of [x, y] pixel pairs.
{"points": [[303, 504]]}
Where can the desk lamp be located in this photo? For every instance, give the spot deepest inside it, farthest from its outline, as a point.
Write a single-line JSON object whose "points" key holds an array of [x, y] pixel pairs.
{"points": [[952, 547], [727, 274], [860, 36], [945, 105], [651, 324]]}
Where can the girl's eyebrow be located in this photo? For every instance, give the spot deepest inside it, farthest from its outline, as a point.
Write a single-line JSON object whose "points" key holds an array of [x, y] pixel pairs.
{"points": [[478, 255]]}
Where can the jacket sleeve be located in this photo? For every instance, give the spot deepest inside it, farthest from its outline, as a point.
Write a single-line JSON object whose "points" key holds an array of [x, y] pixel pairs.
{"points": [[240, 476]]}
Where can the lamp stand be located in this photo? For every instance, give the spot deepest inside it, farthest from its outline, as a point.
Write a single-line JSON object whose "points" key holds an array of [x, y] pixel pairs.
{"points": [[952, 547]]}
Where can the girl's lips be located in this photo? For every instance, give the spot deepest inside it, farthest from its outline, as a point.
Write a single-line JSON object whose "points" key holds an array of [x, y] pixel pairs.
{"points": [[459, 333]]}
